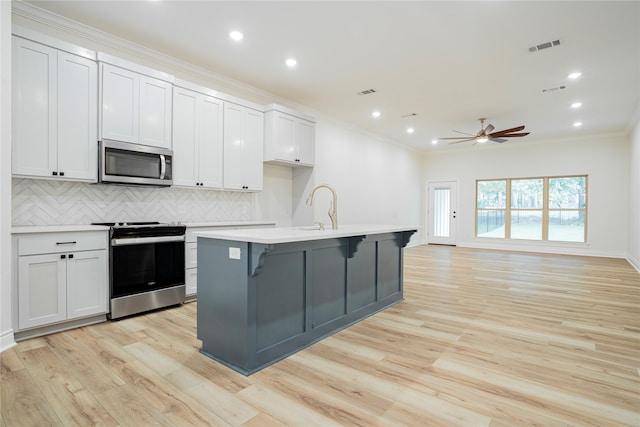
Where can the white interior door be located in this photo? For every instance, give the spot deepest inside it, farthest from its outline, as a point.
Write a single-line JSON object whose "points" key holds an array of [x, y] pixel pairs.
{"points": [[442, 212]]}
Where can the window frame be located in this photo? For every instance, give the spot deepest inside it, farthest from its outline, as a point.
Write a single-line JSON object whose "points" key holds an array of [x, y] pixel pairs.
{"points": [[546, 207]]}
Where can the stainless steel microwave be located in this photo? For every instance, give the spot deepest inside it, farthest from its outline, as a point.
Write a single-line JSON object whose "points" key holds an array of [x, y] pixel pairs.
{"points": [[135, 164]]}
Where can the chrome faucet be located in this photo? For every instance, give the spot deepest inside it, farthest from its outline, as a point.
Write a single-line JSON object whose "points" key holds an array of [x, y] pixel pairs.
{"points": [[333, 208]]}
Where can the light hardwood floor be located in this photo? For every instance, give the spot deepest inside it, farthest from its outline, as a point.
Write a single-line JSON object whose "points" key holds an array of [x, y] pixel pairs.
{"points": [[483, 338]]}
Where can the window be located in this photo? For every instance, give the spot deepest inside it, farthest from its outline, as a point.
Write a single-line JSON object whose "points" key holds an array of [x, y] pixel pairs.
{"points": [[545, 208], [492, 205]]}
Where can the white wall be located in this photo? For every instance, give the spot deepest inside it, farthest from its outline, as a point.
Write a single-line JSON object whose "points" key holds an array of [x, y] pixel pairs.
{"points": [[376, 182], [634, 198], [6, 331], [273, 203], [605, 159]]}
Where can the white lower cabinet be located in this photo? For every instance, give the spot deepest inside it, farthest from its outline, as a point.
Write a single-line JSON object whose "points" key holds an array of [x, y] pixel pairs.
{"points": [[70, 282]]}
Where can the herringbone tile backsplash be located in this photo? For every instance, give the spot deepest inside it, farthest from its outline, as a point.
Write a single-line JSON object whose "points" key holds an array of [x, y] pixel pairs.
{"points": [[47, 202]]}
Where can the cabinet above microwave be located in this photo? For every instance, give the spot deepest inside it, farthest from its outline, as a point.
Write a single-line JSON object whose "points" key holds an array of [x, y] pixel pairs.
{"points": [[135, 103]]}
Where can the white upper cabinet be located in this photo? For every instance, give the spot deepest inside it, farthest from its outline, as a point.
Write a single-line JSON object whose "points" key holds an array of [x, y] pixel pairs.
{"points": [[54, 113], [243, 147], [155, 112], [289, 137], [197, 139], [134, 107], [120, 104]]}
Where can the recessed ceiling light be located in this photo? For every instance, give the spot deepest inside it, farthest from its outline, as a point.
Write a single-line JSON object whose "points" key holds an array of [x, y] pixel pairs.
{"points": [[291, 62], [577, 124], [410, 130], [376, 114], [434, 141], [236, 35], [576, 105], [574, 75]]}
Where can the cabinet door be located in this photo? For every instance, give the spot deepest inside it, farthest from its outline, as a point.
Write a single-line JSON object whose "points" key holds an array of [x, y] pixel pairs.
{"points": [[155, 112], [191, 281], [253, 146], [284, 134], [305, 135], [34, 73], [77, 117], [86, 283], [42, 292], [233, 147], [120, 90], [210, 142], [185, 157]]}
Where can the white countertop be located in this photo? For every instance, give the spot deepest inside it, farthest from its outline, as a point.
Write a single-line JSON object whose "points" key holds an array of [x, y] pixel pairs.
{"points": [[228, 223], [56, 228], [301, 234]]}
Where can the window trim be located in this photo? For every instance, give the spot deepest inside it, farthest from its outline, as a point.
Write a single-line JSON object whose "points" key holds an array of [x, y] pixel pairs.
{"points": [[546, 208]]}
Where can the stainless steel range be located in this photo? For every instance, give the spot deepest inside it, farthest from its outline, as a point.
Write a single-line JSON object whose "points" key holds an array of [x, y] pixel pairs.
{"points": [[146, 266]]}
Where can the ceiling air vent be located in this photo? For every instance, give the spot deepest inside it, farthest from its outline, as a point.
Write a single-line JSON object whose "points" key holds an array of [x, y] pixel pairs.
{"points": [[367, 92], [544, 46]]}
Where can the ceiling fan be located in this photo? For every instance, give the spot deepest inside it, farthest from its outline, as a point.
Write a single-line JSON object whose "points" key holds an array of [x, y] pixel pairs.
{"points": [[487, 134]]}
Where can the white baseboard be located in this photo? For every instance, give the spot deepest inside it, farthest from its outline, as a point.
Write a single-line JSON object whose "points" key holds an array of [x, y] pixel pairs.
{"points": [[634, 262], [560, 248], [6, 340]]}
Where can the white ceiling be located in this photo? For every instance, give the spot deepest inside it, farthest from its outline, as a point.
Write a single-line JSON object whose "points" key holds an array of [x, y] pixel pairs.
{"points": [[448, 62]]}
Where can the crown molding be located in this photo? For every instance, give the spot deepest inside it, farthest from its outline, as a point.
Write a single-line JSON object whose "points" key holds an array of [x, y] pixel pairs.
{"points": [[119, 44]]}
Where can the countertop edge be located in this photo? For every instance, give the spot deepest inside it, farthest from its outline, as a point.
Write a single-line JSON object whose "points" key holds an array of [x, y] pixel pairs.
{"points": [[228, 223], [29, 229], [278, 235]]}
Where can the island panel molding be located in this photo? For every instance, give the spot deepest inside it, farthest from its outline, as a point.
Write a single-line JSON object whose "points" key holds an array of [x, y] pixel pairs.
{"points": [[259, 302]]}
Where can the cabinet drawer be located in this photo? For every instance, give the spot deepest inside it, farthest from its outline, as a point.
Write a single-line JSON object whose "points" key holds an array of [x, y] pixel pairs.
{"points": [[61, 242], [191, 255]]}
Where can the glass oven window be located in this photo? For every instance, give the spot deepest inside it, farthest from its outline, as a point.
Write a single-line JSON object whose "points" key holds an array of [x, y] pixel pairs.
{"points": [[147, 267]]}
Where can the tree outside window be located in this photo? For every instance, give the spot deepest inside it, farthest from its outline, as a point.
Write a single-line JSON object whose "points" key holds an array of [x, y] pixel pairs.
{"points": [[541, 208]]}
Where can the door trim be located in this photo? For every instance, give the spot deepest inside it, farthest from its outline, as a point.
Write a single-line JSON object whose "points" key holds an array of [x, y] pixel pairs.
{"points": [[452, 240]]}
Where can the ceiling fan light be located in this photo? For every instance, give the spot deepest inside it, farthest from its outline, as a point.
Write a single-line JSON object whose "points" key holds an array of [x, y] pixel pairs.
{"points": [[482, 139]]}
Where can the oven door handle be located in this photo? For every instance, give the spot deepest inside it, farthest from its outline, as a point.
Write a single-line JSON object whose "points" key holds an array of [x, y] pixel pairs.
{"points": [[145, 240]]}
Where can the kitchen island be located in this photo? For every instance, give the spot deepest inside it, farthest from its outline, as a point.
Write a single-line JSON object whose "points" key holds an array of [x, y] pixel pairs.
{"points": [[264, 294]]}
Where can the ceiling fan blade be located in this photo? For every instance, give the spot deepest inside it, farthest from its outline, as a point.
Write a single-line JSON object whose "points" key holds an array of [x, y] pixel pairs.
{"points": [[488, 129], [515, 129], [462, 137], [500, 140], [458, 142], [464, 133], [509, 135]]}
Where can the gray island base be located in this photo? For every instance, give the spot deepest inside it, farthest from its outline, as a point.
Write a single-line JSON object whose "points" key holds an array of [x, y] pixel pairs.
{"points": [[263, 297]]}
